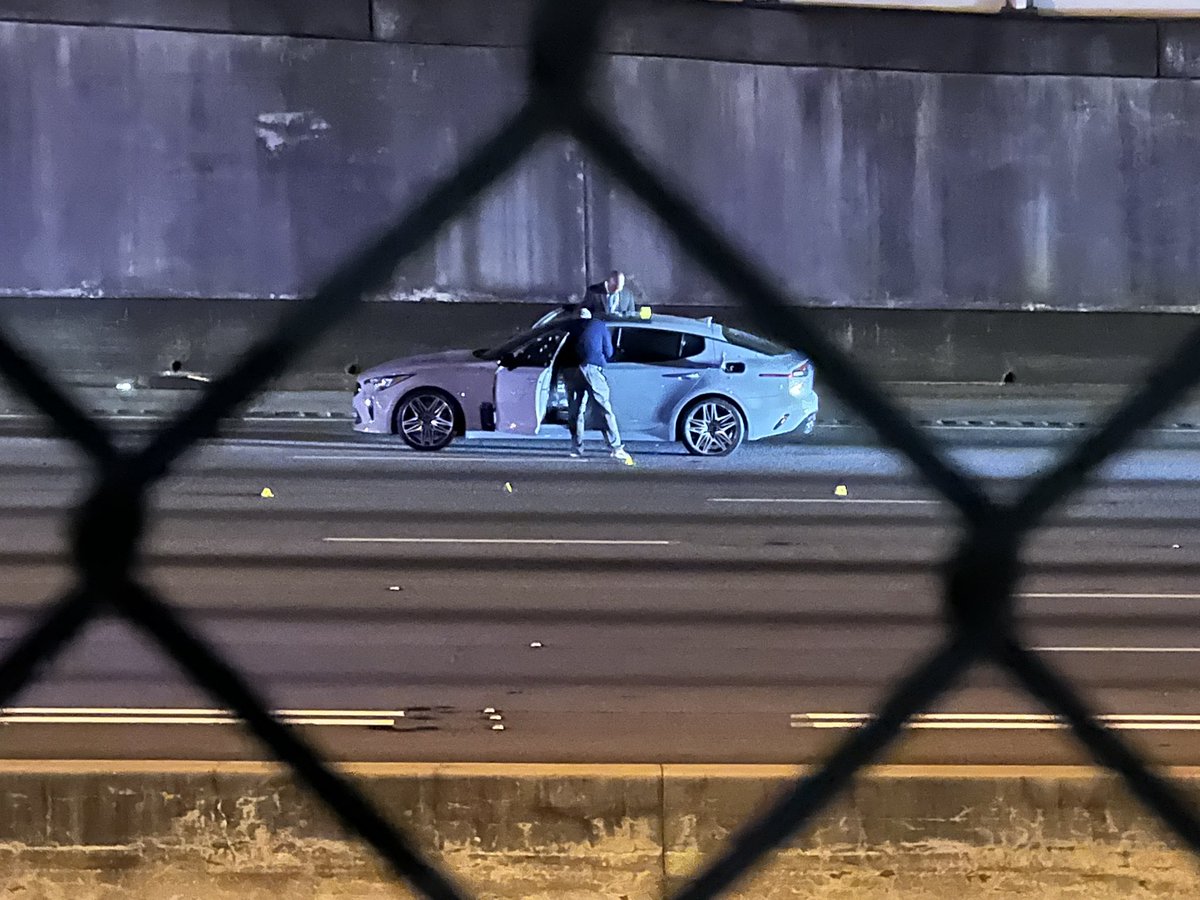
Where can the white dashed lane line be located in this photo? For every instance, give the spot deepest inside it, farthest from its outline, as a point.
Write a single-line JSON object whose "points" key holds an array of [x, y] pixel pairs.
{"points": [[536, 541], [994, 722]]}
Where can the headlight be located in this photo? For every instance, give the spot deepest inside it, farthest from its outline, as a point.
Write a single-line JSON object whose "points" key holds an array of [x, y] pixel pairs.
{"points": [[380, 382]]}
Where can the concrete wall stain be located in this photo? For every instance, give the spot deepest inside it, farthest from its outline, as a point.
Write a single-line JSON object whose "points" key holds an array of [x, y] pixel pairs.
{"points": [[277, 130]]}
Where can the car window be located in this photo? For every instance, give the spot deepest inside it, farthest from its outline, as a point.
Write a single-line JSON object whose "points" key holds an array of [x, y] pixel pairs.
{"points": [[654, 345], [693, 345], [537, 352], [748, 341]]}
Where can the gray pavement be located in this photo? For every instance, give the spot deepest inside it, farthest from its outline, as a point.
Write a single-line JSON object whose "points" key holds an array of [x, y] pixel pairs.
{"points": [[681, 611]]}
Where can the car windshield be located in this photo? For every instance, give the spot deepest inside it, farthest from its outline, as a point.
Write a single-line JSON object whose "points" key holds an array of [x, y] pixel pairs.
{"points": [[501, 350], [748, 341]]}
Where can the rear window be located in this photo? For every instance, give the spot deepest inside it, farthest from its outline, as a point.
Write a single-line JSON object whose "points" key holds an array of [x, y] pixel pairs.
{"points": [[654, 345], [748, 341]]}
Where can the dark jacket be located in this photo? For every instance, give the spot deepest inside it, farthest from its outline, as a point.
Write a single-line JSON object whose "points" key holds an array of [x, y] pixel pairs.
{"points": [[590, 344], [618, 304]]}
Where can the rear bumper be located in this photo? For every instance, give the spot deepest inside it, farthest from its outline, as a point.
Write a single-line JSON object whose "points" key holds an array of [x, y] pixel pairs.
{"points": [[790, 420]]}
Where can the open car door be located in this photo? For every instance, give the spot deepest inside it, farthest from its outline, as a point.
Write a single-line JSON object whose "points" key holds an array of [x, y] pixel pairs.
{"points": [[523, 383]]}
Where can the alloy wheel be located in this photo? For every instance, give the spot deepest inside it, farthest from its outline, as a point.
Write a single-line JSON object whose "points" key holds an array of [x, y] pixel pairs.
{"points": [[712, 428], [426, 421]]}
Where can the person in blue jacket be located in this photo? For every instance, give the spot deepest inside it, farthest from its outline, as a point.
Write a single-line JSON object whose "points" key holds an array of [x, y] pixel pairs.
{"points": [[590, 350]]}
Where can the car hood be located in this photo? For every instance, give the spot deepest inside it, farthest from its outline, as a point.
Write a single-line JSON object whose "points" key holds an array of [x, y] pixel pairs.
{"points": [[408, 365]]}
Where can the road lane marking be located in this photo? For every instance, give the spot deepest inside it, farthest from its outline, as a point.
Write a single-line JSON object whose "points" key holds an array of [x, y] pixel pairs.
{"points": [[996, 722], [1097, 595], [121, 715], [1070, 649], [540, 541], [838, 500]]}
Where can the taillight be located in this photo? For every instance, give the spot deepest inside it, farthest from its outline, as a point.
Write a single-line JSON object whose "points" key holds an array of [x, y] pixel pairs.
{"points": [[796, 379]]}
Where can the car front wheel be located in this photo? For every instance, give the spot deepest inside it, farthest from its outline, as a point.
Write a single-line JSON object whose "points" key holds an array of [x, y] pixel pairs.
{"points": [[712, 426], [425, 420]]}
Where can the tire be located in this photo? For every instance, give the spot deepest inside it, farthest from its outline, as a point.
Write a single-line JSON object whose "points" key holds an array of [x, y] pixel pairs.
{"points": [[712, 426], [427, 419]]}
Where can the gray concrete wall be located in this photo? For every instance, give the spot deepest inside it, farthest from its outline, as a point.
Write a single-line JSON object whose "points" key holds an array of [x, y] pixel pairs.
{"points": [[916, 190], [317, 18], [807, 36], [158, 163], [142, 162], [191, 830]]}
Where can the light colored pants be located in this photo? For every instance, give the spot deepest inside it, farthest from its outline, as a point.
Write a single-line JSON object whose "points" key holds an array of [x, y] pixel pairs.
{"points": [[584, 383]]}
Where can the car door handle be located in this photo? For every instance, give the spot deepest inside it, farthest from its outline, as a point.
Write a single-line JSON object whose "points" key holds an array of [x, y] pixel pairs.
{"points": [[689, 375]]}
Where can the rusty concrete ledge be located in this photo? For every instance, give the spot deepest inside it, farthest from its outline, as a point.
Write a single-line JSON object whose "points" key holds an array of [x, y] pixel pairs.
{"points": [[86, 829]]}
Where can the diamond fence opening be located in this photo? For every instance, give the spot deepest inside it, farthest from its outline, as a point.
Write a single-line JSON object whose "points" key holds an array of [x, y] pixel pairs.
{"points": [[979, 606]]}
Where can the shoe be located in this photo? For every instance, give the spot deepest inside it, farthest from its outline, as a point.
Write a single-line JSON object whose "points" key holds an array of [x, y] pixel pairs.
{"points": [[622, 455], [576, 453]]}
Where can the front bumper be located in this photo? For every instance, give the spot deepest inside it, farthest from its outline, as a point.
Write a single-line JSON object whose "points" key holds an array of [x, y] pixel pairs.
{"points": [[370, 416]]}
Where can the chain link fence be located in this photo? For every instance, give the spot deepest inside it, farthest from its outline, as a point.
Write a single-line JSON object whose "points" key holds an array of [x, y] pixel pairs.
{"points": [[981, 622]]}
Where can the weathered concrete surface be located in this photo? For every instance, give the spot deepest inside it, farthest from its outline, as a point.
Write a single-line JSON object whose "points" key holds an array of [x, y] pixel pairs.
{"points": [[311, 18], [157, 163], [805, 36], [1179, 49], [915, 190], [146, 162], [854, 38], [248, 832], [975, 834], [182, 830]]}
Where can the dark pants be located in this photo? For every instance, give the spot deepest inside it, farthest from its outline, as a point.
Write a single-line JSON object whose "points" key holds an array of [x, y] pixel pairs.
{"points": [[584, 383]]}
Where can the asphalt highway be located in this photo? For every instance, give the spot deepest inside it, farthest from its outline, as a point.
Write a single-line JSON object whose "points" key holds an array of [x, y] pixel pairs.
{"points": [[502, 602]]}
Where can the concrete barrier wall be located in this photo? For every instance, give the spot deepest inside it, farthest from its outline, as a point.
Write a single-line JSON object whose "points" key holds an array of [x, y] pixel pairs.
{"points": [[98, 342], [782, 34], [161, 163], [159, 830]]}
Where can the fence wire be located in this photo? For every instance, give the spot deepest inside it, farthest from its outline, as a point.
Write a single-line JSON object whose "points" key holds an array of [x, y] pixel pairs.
{"points": [[979, 578]]}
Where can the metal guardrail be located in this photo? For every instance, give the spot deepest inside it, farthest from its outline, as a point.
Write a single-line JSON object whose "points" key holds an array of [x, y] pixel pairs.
{"points": [[981, 619]]}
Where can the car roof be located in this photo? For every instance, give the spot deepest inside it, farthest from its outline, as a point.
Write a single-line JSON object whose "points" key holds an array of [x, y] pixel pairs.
{"points": [[686, 324]]}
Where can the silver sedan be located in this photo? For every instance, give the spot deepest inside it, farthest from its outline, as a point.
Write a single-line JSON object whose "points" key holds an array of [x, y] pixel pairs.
{"points": [[705, 385]]}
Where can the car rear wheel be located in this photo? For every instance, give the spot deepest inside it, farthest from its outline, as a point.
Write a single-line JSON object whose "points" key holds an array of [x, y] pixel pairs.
{"points": [[712, 426], [425, 420]]}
